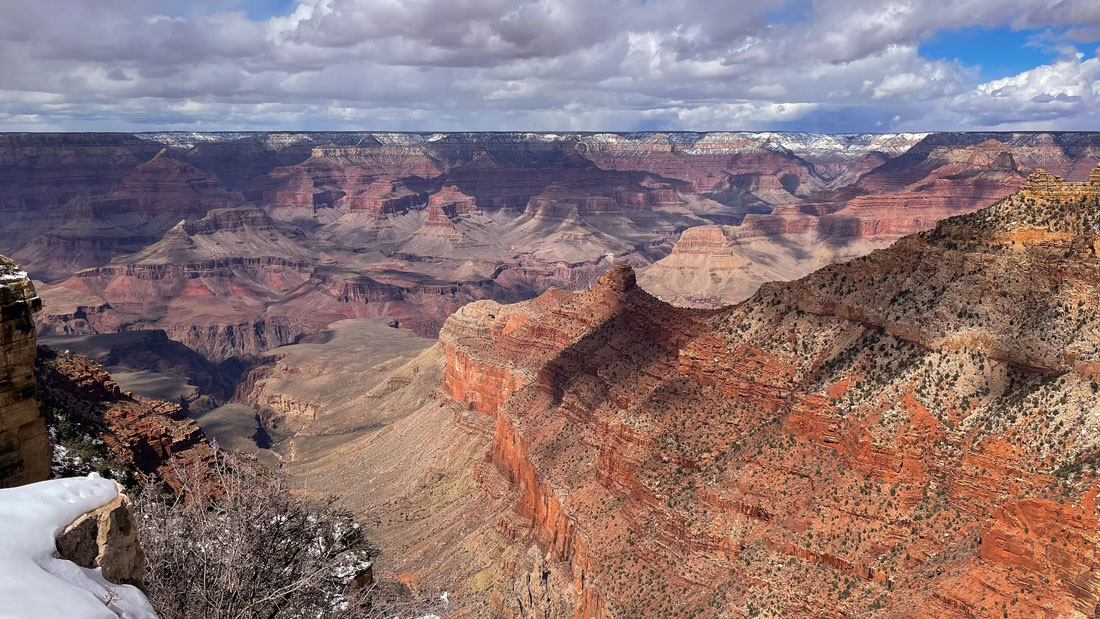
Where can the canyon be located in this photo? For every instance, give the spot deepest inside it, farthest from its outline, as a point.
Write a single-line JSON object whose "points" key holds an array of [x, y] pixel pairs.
{"points": [[136, 438], [237, 243], [48, 398], [592, 374], [911, 433]]}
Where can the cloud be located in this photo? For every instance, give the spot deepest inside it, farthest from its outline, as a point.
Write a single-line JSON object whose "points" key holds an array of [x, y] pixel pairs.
{"points": [[528, 64], [1065, 93], [900, 84]]}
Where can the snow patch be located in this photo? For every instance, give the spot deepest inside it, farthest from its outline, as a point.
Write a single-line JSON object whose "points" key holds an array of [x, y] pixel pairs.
{"points": [[13, 276], [36, 585]]}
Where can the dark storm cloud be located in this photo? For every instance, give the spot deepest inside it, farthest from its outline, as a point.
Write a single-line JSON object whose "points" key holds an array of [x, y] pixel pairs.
{"points": [[537, 64]]}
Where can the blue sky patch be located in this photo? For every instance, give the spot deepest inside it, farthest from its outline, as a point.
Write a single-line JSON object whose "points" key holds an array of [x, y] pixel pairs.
{"points": [[792, 11], [259, 10], [998, 53]]}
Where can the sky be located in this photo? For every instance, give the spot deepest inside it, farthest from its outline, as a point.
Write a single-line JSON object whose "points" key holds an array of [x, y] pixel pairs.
{"points": [[549, 65]]}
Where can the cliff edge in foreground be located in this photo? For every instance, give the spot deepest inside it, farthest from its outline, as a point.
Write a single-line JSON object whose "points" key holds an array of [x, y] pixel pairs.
{"points": [[24, 444], [63, 543]]}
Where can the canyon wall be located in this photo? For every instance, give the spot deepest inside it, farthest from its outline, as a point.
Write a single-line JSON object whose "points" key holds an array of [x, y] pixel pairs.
{"points": [[140, 438], [235, 243], [914, 432], [25, 449]]}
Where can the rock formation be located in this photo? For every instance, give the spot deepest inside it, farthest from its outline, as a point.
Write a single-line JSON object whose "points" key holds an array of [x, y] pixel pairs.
{"points": [[913, 432], [45, 170], [142, 435], [206, 282], [90, 229], [236, 243], [69, 549], [384, 197], [106, 539], [24, 445], [712, 266], [600, 452]]}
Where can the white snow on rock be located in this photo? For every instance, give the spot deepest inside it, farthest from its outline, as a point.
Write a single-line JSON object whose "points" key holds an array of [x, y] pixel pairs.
{"points": [[13, 275], [36, 585]]}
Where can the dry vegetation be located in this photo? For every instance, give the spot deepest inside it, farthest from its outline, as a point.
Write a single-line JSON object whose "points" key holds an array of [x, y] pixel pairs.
{"points": [[238, 544]]}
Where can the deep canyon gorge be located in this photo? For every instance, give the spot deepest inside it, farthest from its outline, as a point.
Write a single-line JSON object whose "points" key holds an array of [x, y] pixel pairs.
{"points": [[596, 374]]}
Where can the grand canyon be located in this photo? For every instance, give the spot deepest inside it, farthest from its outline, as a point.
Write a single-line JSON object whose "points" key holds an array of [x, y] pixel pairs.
{"points": [[592, 375], [550, 309], [234, 244]]}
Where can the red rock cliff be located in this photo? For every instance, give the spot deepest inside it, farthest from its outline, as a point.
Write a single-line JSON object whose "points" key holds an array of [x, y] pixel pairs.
{"points": [[909, 431]]}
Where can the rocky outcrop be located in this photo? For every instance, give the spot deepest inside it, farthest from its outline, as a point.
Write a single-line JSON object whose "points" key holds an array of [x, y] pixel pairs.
{"points": [[24, 445], [106, 539], [536, 347], [142, 435], [67, 549], [913, 431], [384, 197], [444, 221], [452, 198]]}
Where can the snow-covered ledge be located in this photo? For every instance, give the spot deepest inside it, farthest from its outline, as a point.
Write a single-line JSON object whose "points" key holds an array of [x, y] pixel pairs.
{"points": [[34, 583]]}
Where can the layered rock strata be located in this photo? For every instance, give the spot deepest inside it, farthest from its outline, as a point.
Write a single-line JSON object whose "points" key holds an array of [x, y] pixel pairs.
{"points": [[145, 436], [913, 432], [25, 449], [713, 266], [229, 241]]}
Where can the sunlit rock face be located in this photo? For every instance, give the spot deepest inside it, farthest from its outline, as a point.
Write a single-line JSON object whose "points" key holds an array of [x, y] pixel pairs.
{"points": [[914, 431]]}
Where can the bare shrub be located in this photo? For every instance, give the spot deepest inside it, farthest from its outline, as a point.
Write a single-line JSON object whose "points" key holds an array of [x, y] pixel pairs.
{"points": [[242, 546]]}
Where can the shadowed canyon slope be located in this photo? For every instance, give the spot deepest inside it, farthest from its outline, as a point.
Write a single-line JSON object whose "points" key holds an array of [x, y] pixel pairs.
{"points": [[912, 433], [236, 243]]}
